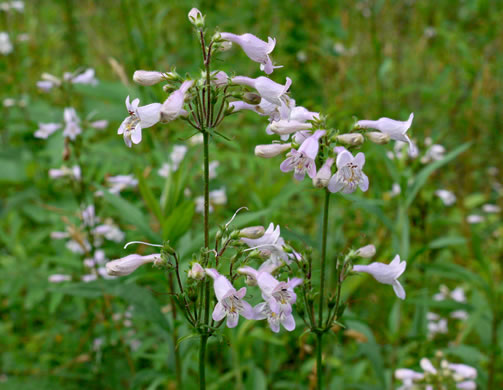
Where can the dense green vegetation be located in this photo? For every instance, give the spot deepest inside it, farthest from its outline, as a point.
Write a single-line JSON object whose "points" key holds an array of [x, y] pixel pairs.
{"points": [[349, 60]]}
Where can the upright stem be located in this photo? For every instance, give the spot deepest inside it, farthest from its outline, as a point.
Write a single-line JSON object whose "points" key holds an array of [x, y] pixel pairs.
{"points": [[202, 362], [323, 257], [319, 364], [178, 366], [319, 334]]}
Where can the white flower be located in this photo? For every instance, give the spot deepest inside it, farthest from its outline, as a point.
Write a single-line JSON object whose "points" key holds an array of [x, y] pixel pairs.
{"points": [[256, 49], [72, 123], [395, 129], [230, 302], [352, 139], [212, 170], [177, 155], [89, 217], [263, 311], [129, 264], [279, 295], [474, 219], [172, 107], [89, 278], [101, 124], [196, 18], [73, 172], [196, 272], [434, 153], [139, 118], [147, 78], [324, 174], [395, 190], [491, 208], [46, 129], [285, 127], [5, 43], [269, 90], [463, 370], [377, 137], [165, 170], [427, 366], [447, 197], [349, 174], [216, 197], [272, 150], [303, 160], [366, 251], [121, 182], [110, 231], [59, 278], [386, 273], [86, 77]]}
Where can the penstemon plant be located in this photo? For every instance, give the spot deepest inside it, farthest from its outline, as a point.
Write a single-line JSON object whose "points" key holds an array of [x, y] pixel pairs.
{"points": [[254, 255]]}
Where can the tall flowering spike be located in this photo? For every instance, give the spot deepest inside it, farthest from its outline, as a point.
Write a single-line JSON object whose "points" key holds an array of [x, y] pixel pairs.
{"points": [[386, 273], [172, 107], [129, 264], [349, 175], [139, 118], [255, 48], [269, 90], [395, 129], [302, 161], [230, 302]]}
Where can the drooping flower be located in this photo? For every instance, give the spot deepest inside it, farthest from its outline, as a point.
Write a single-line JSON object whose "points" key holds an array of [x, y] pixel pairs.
{"points": [[349, 174], [271, 245], [255, 48], [72, 123], [395, 129], [269, 90], [386, 273], [127, 265], [172, 107], [303, 160], [46, 129], [121, 182], [139, 118], [109, 231], [230, 302], [147, 77], [323, 175], [366, 251], [86, 77]]}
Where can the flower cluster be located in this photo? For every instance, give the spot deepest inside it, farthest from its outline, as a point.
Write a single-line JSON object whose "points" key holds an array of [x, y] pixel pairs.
{"points": [[439, 376]]}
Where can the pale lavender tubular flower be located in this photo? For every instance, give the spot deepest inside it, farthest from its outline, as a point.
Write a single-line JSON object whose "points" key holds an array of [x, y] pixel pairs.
{"points": [[147, 77], [302, 161], [279, 295], [59, 278], [196, 272], [139, 118], [240, 105], [230, 302], [172, 107], [302, 114], [219, 79], [300, 136], [349, 174], [284, 126], [110, 232], [46, 129], [100, 124], [464, 371], [86, 77], [45, 85], [447, 197], [127, 265], [269, 90], [395, 129], [386, 273], [272, 150], [255, 48], [73, 172], [323, 175], [263, 311], [408, 377], [466, 385], [72, 123], [121, 182]]}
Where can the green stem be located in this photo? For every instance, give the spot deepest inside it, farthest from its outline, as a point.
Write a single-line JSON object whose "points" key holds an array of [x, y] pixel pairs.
{"points": [[319, 363], [323, 256], [202, 362]]}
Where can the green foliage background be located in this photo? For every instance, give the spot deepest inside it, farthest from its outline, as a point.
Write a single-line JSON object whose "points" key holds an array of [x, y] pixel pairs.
{"points": [[440, 59]]}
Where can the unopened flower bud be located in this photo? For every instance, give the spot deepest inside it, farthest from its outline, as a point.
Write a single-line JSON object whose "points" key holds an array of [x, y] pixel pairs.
{"points": [[147, 78], [224, 46], [272, 150], [352, 139], [366, 252], [235, 235], [251, 98], [252, 232], [255, 254], [377, 137], [196, 272], [324, 174], [196, 18], [128, 264]]}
